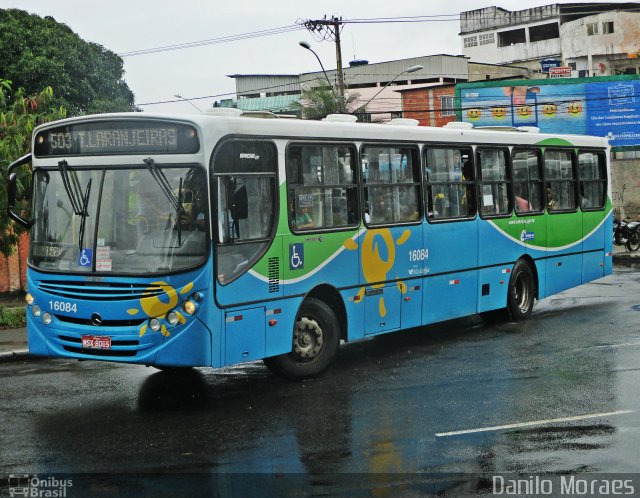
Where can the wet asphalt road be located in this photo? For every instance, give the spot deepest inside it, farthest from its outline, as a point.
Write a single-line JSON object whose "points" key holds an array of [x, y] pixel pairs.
{"points": [[389, 411]]}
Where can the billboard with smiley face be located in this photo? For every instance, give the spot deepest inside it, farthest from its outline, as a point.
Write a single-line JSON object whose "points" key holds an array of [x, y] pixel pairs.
{"points": [[601, 106]]}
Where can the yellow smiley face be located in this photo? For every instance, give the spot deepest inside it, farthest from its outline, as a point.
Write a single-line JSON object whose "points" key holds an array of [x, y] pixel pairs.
{"points": [[549, 109], [524, 111], [474, 114], [575, 108], [498, 112]]}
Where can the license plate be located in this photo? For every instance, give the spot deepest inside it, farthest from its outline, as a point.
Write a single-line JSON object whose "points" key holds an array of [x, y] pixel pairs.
{"points": [[96, 342]]}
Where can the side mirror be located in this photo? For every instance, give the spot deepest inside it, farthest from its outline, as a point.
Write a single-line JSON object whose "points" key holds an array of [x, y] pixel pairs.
{"points": [[12, 192]]}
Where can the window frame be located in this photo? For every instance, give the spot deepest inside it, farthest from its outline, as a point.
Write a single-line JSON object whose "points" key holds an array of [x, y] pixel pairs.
{"points": [[539, 153], [419, 183], [574, 179], [480, 182], [355, 185], [267, 241], [447, 110], [427, 184], [601, 154]]}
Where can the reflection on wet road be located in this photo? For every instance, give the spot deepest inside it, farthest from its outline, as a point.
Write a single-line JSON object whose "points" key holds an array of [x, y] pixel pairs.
{"points": [[444, 405]]}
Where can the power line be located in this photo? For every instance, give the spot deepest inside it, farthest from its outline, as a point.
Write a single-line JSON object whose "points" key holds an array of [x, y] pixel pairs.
{"points": [[214, 41], [300, 25]]}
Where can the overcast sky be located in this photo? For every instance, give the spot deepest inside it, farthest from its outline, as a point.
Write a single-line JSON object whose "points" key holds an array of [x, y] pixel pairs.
{"points": [[128, 25]]}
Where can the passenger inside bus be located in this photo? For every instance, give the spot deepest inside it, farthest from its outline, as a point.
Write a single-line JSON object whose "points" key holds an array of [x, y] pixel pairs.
{"points": [[301, 218], [522, 204]]}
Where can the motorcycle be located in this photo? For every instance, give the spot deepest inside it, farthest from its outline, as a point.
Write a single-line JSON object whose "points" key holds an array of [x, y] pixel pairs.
{"points": [[626, 234]]}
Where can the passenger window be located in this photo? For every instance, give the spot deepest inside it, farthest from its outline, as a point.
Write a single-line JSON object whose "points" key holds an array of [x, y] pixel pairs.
{"points": [[391, 178], [593, 180], [494, 182], [449, 183], [527, 181], [322, 190], [561, 180]]}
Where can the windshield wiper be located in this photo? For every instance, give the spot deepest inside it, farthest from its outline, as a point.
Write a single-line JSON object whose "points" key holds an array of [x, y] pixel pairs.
{"points": [[84, 213], [179, 214], [165, 186], [79, 203], [73, 189]]}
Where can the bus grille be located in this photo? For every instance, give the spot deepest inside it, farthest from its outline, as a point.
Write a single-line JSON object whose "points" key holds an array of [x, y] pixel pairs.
{"points": [[104, 323], [274, 275], [101, 352], [100, 291]]}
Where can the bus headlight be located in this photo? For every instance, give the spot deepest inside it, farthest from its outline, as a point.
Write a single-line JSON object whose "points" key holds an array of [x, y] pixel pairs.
{"points": [[46, 318], [154, 324], [29, 299], [36, 311], [189, 307], [172, 318]]}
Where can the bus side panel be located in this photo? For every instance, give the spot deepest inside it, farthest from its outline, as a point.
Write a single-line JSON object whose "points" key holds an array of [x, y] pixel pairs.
{"points": [[593, 246], [541, 268], [392, 261], [453, 259], [493, 283], [497, 254], [263, 280], [564, 238], [450, 296], [316, 259], [244, 335], [280, 320], [353, 302], [608, 243]]}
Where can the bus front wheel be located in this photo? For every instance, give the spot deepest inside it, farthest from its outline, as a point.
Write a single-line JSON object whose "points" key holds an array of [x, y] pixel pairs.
{"points": [[521, 292], [316, 338]]}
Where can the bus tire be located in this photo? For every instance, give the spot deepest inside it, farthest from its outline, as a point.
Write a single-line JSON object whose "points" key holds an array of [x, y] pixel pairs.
{"points": [[521, 291], [316, 337]]}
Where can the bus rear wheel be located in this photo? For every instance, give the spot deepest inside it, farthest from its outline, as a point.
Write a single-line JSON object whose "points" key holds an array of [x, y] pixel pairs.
{"points": [[316, 339], [521, 292]]}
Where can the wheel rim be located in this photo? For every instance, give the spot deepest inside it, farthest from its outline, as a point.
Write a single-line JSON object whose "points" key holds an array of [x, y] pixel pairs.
{"points": [[522, 292], [308, 339]]}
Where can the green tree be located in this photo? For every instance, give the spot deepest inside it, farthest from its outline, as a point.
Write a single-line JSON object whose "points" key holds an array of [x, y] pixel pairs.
{"points": [[19, 115], [38, 52], [318, 101]]}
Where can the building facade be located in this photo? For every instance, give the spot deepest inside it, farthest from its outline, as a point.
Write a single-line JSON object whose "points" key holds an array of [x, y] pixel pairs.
{"points": [[589, 39], [378, 87]]}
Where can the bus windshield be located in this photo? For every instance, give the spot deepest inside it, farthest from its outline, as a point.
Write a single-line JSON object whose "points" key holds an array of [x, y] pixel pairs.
{"points": [[133, 221]]}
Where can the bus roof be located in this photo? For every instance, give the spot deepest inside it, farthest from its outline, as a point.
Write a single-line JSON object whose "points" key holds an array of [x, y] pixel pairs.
{"points": [[232, 121]]}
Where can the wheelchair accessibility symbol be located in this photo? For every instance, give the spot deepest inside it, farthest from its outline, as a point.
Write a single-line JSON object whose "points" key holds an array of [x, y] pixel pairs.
{"points": [[296, 256], [85, 258]]}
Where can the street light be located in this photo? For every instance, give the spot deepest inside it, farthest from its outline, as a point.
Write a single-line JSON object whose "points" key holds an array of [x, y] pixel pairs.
{"points": [[177, 95], [411, 69], [307, 45]]}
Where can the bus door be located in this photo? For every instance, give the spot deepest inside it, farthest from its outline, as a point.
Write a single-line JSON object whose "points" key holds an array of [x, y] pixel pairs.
{"points": [[451, 234], [564, 222], [496, 250], [529, 204], [592, 195], [247, 257], [392, 249]]}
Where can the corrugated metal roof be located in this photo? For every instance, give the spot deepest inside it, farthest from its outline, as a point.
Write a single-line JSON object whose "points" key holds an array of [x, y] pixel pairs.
{"points": [[276, 104]]}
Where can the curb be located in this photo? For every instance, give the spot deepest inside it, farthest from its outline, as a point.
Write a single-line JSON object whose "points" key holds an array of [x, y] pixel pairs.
{"points": [[17, 355], [626, 259]]}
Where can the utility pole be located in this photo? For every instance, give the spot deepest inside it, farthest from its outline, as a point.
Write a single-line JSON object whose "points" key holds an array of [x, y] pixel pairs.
{"points": [[329, 29]]}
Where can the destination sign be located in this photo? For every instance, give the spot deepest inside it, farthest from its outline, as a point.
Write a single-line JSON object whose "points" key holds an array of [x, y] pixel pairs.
{"points": [[117, 137]]}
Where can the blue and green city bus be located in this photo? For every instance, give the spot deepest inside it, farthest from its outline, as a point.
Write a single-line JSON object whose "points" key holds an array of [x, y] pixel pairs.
{"points": [[221, 238]]}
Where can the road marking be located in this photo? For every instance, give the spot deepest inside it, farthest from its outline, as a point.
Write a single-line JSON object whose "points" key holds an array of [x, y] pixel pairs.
{"points": [[533, 423], [609, 346]]}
